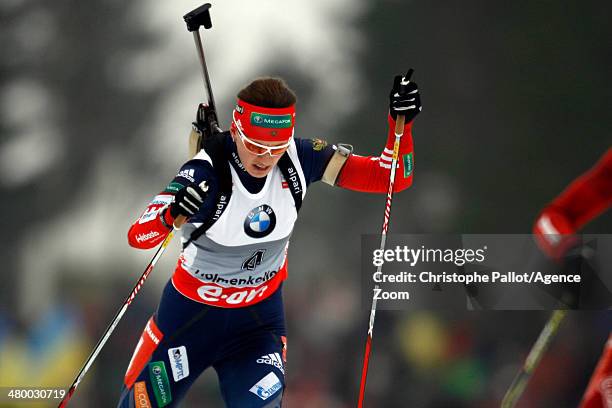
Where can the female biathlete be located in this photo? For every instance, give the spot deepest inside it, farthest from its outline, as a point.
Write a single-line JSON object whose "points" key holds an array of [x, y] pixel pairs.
{"points": [[241, 195]]}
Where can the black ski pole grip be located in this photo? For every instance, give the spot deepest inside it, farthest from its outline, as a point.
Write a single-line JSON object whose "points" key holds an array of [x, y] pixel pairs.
{"points": [[409, 74], [198, 17]]}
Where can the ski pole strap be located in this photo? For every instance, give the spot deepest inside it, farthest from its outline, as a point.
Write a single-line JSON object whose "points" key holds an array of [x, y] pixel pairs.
{"points": [[341, 154]]}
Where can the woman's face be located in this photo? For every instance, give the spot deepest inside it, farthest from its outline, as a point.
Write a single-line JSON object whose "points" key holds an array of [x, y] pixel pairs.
{"points": [[256, 165]]}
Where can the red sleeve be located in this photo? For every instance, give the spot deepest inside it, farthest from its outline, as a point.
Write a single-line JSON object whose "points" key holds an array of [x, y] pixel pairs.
{"points": [[587, 196], [371, 174], [149, 230], [584, 199], [156, 222]]}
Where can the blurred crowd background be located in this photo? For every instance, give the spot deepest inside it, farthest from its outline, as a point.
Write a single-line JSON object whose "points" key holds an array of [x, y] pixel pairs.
{"points": [[96, 100]]}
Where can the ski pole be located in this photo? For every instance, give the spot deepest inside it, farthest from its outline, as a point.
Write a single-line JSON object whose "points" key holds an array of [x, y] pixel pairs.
{"points": [[578, 253], [111, 327], [399, 132], [178, 222], [533, 359]]}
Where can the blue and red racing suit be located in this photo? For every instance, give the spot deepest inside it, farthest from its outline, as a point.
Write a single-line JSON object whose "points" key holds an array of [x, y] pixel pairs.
{"points": [[223, 306]]}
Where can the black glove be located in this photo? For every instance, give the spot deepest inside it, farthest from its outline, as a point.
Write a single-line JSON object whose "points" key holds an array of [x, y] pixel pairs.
{"points": [[188, 200], [404, 98]]}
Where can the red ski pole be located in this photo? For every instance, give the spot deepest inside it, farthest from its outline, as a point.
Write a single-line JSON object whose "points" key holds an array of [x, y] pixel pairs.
{"points": [[399, 132], [118, 316]]}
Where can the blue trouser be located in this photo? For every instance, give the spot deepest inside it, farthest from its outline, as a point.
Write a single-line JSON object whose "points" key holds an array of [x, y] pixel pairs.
{"points": [[245, 346]]}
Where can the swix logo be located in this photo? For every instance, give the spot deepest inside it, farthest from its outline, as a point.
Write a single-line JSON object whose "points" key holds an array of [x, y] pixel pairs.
{"points": [[273, 359], [146, 237], [187, 173]]}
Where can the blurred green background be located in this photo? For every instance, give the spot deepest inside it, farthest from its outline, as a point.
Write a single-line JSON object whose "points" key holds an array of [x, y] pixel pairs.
{"points": [[96, 101]]}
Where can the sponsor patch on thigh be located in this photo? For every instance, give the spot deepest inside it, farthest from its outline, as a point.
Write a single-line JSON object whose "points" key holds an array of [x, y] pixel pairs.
{"points": [[141, 397], [160, 383], [267, 386], [178, 362], [149, 340]]}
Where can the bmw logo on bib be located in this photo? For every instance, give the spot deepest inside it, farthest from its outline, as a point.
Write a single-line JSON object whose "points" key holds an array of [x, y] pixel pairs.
{"points": [[260, 221]]}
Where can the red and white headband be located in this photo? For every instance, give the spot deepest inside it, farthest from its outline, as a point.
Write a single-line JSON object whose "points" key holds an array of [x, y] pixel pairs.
{"points": [[268, 124]]}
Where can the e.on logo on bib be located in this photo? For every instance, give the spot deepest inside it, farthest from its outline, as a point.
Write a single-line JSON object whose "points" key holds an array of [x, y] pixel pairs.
{"points": [[231, 296]]}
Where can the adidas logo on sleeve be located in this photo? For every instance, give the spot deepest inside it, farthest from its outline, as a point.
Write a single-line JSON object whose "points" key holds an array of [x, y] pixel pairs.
{"points": [[187, 174]]}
